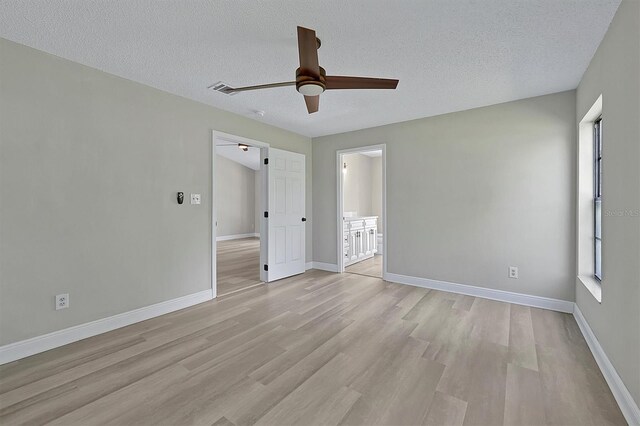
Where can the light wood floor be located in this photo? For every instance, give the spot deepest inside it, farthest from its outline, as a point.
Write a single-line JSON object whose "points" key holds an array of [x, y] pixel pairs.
{"points": [[238, 265], [371, 267], [321, 348]]}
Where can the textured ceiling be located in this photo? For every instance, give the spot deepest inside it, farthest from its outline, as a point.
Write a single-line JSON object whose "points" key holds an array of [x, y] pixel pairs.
{"points": [[449, 55]]}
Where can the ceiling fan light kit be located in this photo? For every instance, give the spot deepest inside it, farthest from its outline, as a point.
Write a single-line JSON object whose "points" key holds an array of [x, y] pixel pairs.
{"points": [[311, 79], [310, 89]]}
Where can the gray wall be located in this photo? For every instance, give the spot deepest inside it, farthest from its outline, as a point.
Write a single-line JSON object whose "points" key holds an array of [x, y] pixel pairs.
{"points": [[614, 72], [470, 193], [89, 169], [357, 185], [235, 197]]}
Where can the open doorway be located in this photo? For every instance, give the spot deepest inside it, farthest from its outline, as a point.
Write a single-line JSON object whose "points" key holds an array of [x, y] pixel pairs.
{"points": [[361, 211], [258, 215], [239, 192]]}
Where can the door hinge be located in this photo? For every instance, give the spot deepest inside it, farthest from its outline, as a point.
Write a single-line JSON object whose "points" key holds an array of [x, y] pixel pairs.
{"points": [[266, 267], [266, 161], [266, 214]]}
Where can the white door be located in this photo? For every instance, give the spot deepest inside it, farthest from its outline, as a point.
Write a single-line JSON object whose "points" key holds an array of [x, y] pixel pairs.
{"points": [[286, 214]]}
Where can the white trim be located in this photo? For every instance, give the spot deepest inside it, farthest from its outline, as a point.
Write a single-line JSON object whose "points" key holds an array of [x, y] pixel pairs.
{"points": [[237, 236], [585, 266], [214, 219], [592, 285], [308, 265], [486, 293], [329, 267], [25, 348], [340, 202], [620, 392]]}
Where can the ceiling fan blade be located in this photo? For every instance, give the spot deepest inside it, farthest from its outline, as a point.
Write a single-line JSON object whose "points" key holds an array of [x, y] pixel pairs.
{"points": [[312, 103], [342, 82], [308, 52], [258, 87]]}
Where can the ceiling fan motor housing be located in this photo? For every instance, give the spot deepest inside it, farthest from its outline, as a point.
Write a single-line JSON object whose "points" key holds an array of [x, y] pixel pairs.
{"points": [[309, 84]]}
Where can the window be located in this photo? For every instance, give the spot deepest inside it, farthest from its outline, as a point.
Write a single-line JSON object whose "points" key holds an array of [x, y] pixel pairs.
{"points": [[597, 197], [588, 196]]}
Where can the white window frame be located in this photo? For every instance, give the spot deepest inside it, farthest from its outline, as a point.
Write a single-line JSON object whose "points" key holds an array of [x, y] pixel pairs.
{"points": [[597, 199], [585, 196]]}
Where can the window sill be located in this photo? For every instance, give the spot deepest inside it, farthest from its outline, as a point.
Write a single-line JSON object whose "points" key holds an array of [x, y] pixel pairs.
{"points": [[593, 285]]}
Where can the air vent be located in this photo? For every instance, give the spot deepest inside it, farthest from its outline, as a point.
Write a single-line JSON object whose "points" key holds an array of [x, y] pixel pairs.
{"points": [[222, 88]]}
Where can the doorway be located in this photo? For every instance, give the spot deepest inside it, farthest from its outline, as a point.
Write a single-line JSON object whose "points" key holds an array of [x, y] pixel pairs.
{"points": [[251, 244], [239, 193], [361, 177]]}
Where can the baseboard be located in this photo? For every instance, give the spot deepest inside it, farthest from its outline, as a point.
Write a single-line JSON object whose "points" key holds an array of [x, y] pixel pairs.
{"points": [[25, 348], [486, 293], [308, 265], [330, 267], [238, 236], [620, 392]]}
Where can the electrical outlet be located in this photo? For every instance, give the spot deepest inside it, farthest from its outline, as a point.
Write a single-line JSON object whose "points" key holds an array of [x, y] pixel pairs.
{"points": [[513, 272], [62, 301], [195, 198]]}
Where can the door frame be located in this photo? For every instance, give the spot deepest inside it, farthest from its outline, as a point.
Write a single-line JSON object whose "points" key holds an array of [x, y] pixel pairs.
{"points": [[264, 199], [340, 203]]}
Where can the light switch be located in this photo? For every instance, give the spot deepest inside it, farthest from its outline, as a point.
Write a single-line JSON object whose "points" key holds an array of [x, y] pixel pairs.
{"points": [[195, 198]]}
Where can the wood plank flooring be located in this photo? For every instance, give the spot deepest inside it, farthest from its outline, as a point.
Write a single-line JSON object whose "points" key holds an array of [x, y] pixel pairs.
{"points": [[371, 267], [238, 265], [321, 349]]}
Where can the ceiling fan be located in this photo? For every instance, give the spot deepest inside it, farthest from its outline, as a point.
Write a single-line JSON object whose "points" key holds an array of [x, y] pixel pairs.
{"points": [[311, 79], [241, 146]]}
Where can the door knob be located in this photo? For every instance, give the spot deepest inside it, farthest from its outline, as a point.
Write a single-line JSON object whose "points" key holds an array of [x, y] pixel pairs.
{"points": [[304, 219]]}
